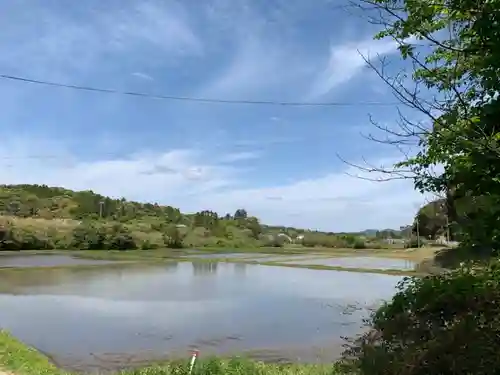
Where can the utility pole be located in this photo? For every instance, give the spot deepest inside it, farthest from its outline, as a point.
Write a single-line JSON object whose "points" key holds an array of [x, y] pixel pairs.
{"points": [[418, 233], [101, 205], [447, 229]]}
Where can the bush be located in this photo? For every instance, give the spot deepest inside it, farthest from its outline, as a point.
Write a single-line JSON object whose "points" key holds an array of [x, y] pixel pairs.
{"points": [[122, 241], [359, 244], [443, 324], [148, 245], [414, 243], [273, 241], [173, 238], [14, 238], [7, 241], [87, 236]]}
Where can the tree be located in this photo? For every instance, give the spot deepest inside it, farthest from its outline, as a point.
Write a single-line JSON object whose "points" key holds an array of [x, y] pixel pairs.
{"points": [[444, 324], [173, 238], [255, 227], [432, 219], [456, 73], [240, 213]]}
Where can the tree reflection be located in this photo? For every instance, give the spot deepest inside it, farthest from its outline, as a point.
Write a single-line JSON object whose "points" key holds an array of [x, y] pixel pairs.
{"points": [[204, 268], [240, 269]]}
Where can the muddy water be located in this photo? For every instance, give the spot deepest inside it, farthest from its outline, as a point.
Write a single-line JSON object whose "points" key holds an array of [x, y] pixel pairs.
{"points": [[114, 317]]}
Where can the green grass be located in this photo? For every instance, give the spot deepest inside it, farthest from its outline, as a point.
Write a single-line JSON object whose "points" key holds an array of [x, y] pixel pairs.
{"points": [[19, 359]]}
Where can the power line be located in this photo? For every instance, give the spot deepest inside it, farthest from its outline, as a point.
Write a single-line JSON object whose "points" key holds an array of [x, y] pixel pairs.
{"points": [[191, 99]]}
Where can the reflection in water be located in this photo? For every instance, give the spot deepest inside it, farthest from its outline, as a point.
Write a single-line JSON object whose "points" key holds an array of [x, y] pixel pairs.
{"points": [[204, 268], [240, 269], [147, 312], [171, 266]]}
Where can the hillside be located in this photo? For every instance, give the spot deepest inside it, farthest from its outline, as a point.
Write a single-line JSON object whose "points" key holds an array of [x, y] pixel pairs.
{"points": [[38, 216]]}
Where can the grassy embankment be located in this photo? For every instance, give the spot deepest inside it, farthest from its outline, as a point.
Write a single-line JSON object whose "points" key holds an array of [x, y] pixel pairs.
{"points": [[19, 359]]}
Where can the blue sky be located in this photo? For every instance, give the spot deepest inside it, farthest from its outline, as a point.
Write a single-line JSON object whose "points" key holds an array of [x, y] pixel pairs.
{"points": [[280, 163]]}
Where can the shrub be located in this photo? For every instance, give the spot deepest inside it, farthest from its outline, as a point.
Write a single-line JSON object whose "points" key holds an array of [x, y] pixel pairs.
{"points": [[121, 241], [442, 324], [414, 243], [148, 245], [173, 238], [7, 240], [359, 244], [273, 241], [87, 236]]}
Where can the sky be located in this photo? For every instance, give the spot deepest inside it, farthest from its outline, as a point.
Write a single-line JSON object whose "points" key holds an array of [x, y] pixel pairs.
{"points": [[280, 163]]}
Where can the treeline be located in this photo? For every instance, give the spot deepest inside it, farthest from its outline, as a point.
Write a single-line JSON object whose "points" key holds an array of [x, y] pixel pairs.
{"points": [[42, 217], [26, 234], [84, 236]]}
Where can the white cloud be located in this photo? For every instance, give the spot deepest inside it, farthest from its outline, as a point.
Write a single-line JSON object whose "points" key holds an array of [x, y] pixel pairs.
{"points": [[254, 66], [194, 180], [142, 75], [346, 60], [240, 156], [53, 42]]}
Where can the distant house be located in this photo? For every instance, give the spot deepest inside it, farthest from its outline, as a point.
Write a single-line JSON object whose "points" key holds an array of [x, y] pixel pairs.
{"points": [[299, 238]]}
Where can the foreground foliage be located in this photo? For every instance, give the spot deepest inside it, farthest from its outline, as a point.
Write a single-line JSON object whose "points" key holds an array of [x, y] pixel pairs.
{"points": [[445, 324], [460, 68], [23, 360], [450, 323]]}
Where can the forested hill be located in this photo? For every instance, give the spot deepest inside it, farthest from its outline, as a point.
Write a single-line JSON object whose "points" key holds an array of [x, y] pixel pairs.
{"points": [[55, 202], [55, 217], [46, 202]]}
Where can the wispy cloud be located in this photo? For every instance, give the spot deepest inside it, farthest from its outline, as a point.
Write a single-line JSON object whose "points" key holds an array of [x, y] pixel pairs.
{"points": [[241, 156], [142, 75], [253, 67], [53, 41], [347, 60]]}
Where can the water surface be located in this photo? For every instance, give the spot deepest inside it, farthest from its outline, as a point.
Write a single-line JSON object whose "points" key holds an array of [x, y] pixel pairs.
{"points": [[263, 257], [109, 318], [46, 261], [225, 255], [359, 262]]}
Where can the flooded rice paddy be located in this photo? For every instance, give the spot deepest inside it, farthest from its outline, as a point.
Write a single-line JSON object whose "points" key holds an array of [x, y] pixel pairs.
{"points": [[358, 262], [105, 317], [21, 261]]}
